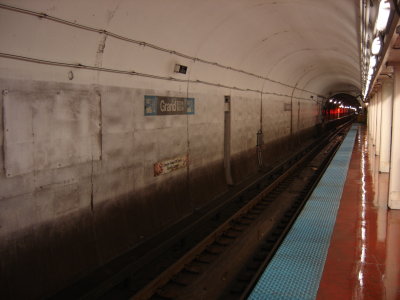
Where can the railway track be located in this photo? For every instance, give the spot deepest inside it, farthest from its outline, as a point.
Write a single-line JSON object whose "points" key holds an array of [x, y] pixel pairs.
{"points": [[224, 252]]}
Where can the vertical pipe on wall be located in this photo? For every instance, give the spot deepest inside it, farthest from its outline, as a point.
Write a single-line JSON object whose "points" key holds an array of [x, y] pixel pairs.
{"points": [[227, 141], [291, 113], [260, 137], [386, 127], [394, 181], [298, 115], [291, 116]]}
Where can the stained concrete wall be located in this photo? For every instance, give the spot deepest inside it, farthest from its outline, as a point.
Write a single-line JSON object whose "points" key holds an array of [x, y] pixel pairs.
{"points": [[88, 193], [285, 122], [100, 200]]}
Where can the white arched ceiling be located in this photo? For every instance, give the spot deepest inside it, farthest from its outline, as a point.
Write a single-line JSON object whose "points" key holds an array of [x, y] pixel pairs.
{"points": [[310, 44]]}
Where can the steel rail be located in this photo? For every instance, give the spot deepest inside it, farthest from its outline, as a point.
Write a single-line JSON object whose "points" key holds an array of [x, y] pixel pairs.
{"points": [[298, 208]]}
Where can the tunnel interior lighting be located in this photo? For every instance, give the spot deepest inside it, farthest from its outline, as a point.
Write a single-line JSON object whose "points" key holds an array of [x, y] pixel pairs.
{"points": [[383, 15], [371, 71], [372, 61], [376, 46]]}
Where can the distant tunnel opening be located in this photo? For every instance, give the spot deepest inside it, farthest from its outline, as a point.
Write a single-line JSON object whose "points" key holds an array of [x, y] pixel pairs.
{"points": [[340, 105]]}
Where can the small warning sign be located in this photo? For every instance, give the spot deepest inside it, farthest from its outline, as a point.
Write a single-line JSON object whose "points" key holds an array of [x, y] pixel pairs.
{"points": [[167, 166]]}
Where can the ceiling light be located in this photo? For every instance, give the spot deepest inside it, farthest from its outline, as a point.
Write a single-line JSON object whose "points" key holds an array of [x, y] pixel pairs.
{"points": [[372, 61], [370, 71], [376, 46], [383, 15]]}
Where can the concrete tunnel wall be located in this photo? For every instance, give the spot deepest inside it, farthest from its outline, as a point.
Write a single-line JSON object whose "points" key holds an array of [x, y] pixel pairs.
{"points": [[79, 198], [76, 174]]}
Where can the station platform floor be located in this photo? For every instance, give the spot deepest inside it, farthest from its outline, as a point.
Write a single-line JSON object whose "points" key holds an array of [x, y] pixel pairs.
{"points": [[354, 252]]}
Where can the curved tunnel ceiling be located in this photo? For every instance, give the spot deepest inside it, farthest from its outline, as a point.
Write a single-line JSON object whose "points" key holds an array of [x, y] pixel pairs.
{"points": [[310, 44]]}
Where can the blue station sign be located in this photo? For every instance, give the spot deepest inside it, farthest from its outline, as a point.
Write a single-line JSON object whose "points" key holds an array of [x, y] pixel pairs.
{"points": [[162, 105]]}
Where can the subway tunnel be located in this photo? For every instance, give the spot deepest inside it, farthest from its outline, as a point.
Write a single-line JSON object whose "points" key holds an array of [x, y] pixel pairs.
{"points": [[122, 119]]}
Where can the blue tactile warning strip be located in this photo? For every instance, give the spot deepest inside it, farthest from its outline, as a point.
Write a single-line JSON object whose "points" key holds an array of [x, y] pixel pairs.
{"points": [[296, 269]]}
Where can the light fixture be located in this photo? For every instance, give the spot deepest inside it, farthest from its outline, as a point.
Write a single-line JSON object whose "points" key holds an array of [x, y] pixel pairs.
{"points": [[370, 71], [180, 69], [383, 15], [376, 46], [372, 61]]}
